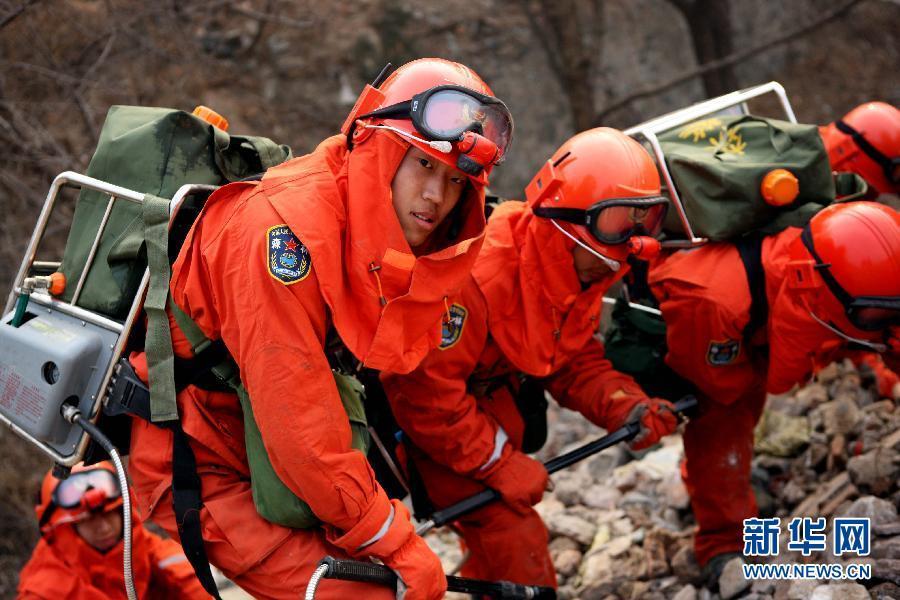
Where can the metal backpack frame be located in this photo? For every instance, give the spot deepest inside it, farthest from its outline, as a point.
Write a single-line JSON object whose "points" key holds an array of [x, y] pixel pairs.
{"points": [[734, 103], [114, 333]]}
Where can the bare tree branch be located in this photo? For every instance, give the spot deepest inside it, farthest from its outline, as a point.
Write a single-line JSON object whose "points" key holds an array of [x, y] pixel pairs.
{"points": [[731, 59], [570, 32], [15, 13]]}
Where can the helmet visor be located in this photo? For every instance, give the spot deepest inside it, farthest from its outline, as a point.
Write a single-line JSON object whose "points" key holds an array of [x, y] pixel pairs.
{"points": [[447, 113], [615, 221], [70, 492], [874, 314]]}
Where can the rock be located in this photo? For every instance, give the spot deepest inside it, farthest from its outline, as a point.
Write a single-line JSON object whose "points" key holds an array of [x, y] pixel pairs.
{"points": [[568, 489], [731, 581], [840, 416], [560, 544], [808, 397], [817, 454], [603, 535], [566, 592], [886, 569], [642, 501], [828, 374], [688, 592], [885, 591], [625, 478], [655, 544], [801, 589], [617, 546], [840, 591], [780, 434], [549, 506], [877, 510], [571, 526], [634, 590], [793, 493], [763, 587], [600, 466], [875, 471], [889, 548], [602, 497], [567, 562], [886, 529], [622, 526], [674, 492], [684, 564], [596, 570]]}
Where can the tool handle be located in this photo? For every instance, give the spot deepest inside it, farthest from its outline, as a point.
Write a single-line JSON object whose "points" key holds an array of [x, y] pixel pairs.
{"points": [[464, 507], [353, 570], [485, 497]]}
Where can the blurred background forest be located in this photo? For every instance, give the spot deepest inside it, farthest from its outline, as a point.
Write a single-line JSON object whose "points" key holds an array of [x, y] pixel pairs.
{"points": [[291, 70]]}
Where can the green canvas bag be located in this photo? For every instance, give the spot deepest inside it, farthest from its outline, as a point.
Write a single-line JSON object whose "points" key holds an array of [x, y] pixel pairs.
{"points": [[718, 165], [152, 151]]}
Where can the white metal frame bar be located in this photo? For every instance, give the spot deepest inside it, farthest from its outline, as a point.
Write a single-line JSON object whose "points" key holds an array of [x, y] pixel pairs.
{"points": [[652, 128], [123, 330]]}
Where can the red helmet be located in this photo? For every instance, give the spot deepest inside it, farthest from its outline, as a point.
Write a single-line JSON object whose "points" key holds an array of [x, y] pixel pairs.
{"points": [[602, 187], [855, 249], [87, 490], [867, 142], [441, 107]]}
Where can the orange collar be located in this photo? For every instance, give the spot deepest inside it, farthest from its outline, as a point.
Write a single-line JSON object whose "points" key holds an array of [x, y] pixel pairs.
{"points": [[338, 203]]}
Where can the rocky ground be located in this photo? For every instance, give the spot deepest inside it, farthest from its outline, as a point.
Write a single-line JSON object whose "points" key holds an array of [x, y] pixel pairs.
{"points": [[621, 525]]}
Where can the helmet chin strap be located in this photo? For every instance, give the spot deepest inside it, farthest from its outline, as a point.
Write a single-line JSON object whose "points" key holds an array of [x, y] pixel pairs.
{"points": [[875, 346], [612, 264], [441, 146]]}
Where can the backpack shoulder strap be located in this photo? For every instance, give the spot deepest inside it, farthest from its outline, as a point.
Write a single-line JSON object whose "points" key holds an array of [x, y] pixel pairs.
{"points": [[158, 345], [749, 248]]}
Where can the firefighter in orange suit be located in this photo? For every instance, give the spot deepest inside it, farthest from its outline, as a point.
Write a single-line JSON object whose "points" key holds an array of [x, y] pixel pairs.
{"points": [[80, 552], [365, 238], [866, 141], [532, 307], [830, 288]]}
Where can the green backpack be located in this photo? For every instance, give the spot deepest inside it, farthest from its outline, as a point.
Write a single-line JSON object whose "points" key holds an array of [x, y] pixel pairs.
{"points": [[152, 151], [718, 165], [155, 151]]}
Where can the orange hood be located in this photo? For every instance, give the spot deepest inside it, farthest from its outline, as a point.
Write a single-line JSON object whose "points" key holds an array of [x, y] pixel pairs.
{"points": [[339, 204], [537, 311], [61, 550]]}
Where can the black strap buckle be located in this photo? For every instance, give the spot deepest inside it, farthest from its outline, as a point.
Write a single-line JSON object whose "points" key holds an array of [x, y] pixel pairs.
{"points": [[126, 394]]}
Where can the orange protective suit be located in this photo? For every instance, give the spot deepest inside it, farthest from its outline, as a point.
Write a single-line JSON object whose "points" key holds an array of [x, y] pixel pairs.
{"points": [[338, 206], [522, 311], [63, 565], [705, 300]]}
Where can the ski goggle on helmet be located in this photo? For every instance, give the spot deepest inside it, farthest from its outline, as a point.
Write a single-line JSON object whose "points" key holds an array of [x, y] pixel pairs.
{"points": [[867, 313], [82, 493], [852, 249], [437, 105], [604, 188], [616, 220]]}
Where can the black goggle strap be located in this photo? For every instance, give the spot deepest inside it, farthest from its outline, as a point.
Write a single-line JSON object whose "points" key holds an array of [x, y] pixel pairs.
{"points": [[824, 270], [570, 215], [887, 164], [399, 110]]}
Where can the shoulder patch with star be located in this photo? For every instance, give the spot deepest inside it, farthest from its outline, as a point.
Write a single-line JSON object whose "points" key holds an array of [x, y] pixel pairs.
{"points": [[451, 330], [723, 353], [287, 258]]}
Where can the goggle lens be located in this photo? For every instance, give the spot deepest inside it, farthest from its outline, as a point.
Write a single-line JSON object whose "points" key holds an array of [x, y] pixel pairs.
{"points": [[448, 114], [615, 224], [874, 318], [70, 492]]}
